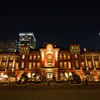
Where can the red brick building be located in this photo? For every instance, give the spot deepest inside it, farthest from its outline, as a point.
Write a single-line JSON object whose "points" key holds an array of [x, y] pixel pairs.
{"points": [[51, 60]]}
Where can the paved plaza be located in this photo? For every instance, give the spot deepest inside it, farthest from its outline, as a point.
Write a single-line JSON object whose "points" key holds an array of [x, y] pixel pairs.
{"points": [[53, 92], [51, 95]]}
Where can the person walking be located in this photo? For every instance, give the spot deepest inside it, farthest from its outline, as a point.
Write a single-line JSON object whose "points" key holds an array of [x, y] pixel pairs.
{"points": [[48, 82], [9, 83], [86, 82]]}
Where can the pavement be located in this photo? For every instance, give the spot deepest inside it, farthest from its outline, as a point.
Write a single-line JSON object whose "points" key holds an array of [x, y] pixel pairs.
{"points": [[51, 95], [56, 91]]}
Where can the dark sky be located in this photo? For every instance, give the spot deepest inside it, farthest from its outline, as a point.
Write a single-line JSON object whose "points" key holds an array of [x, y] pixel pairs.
{"points": [[60, 21]]}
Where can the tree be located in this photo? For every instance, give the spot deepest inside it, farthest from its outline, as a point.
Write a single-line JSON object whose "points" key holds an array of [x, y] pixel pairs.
{"points": [[76, 78], [24, 78]]}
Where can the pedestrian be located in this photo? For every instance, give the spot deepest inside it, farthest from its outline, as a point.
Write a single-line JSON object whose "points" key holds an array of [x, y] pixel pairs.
{"points": [[9, 83], [86, 82], [48, 82]]}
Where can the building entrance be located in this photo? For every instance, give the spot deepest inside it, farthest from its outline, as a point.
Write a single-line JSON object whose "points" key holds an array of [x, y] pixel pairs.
{"points": [[49, 75]]}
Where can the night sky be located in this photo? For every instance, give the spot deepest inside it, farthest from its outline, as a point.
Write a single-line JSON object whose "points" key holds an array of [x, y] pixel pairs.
{"points": [[61, 21]]}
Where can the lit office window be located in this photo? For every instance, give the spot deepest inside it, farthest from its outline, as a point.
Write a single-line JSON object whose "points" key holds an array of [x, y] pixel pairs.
{"points": [[34, 65], [23, 56], [34, 57], [30, 65], [61, 65], [76, 56], [22, 65], [30, 57], [60, 56], [77, 64], [38, 65], [90, 65], [64, 56], [82, 64], [65, 64], [97, 64], [69, 64], [68, 56]]}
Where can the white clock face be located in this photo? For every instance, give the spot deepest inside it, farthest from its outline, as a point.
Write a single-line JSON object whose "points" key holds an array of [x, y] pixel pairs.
{"points": [[49, 48]]}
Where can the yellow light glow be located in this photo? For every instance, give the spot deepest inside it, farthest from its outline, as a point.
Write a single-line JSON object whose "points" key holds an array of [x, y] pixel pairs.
{"points": [[42, 56], [56, 56]]}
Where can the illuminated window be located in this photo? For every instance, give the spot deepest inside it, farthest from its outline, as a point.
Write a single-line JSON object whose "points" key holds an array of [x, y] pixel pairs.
{"points": [[26, 48], [34, 57], [34, 65], [97, 64], [65, 64], [69, 64], [68, 56], [21, 48], [22, 65], [61, 65], [10, 65], [72, 47], [16, 65], [77, 64], [38, 65], [30, 65], [38, 57], [11, 58], [76, 56], [3, 64], [30, 57], [4, 58], [90, 65], [23, 56], [64, 56], [60, 56], [82, 64]]}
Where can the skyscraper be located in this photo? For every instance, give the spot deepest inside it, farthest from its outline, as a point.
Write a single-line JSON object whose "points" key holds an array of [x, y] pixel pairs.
{"points": [[27, 38]]}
